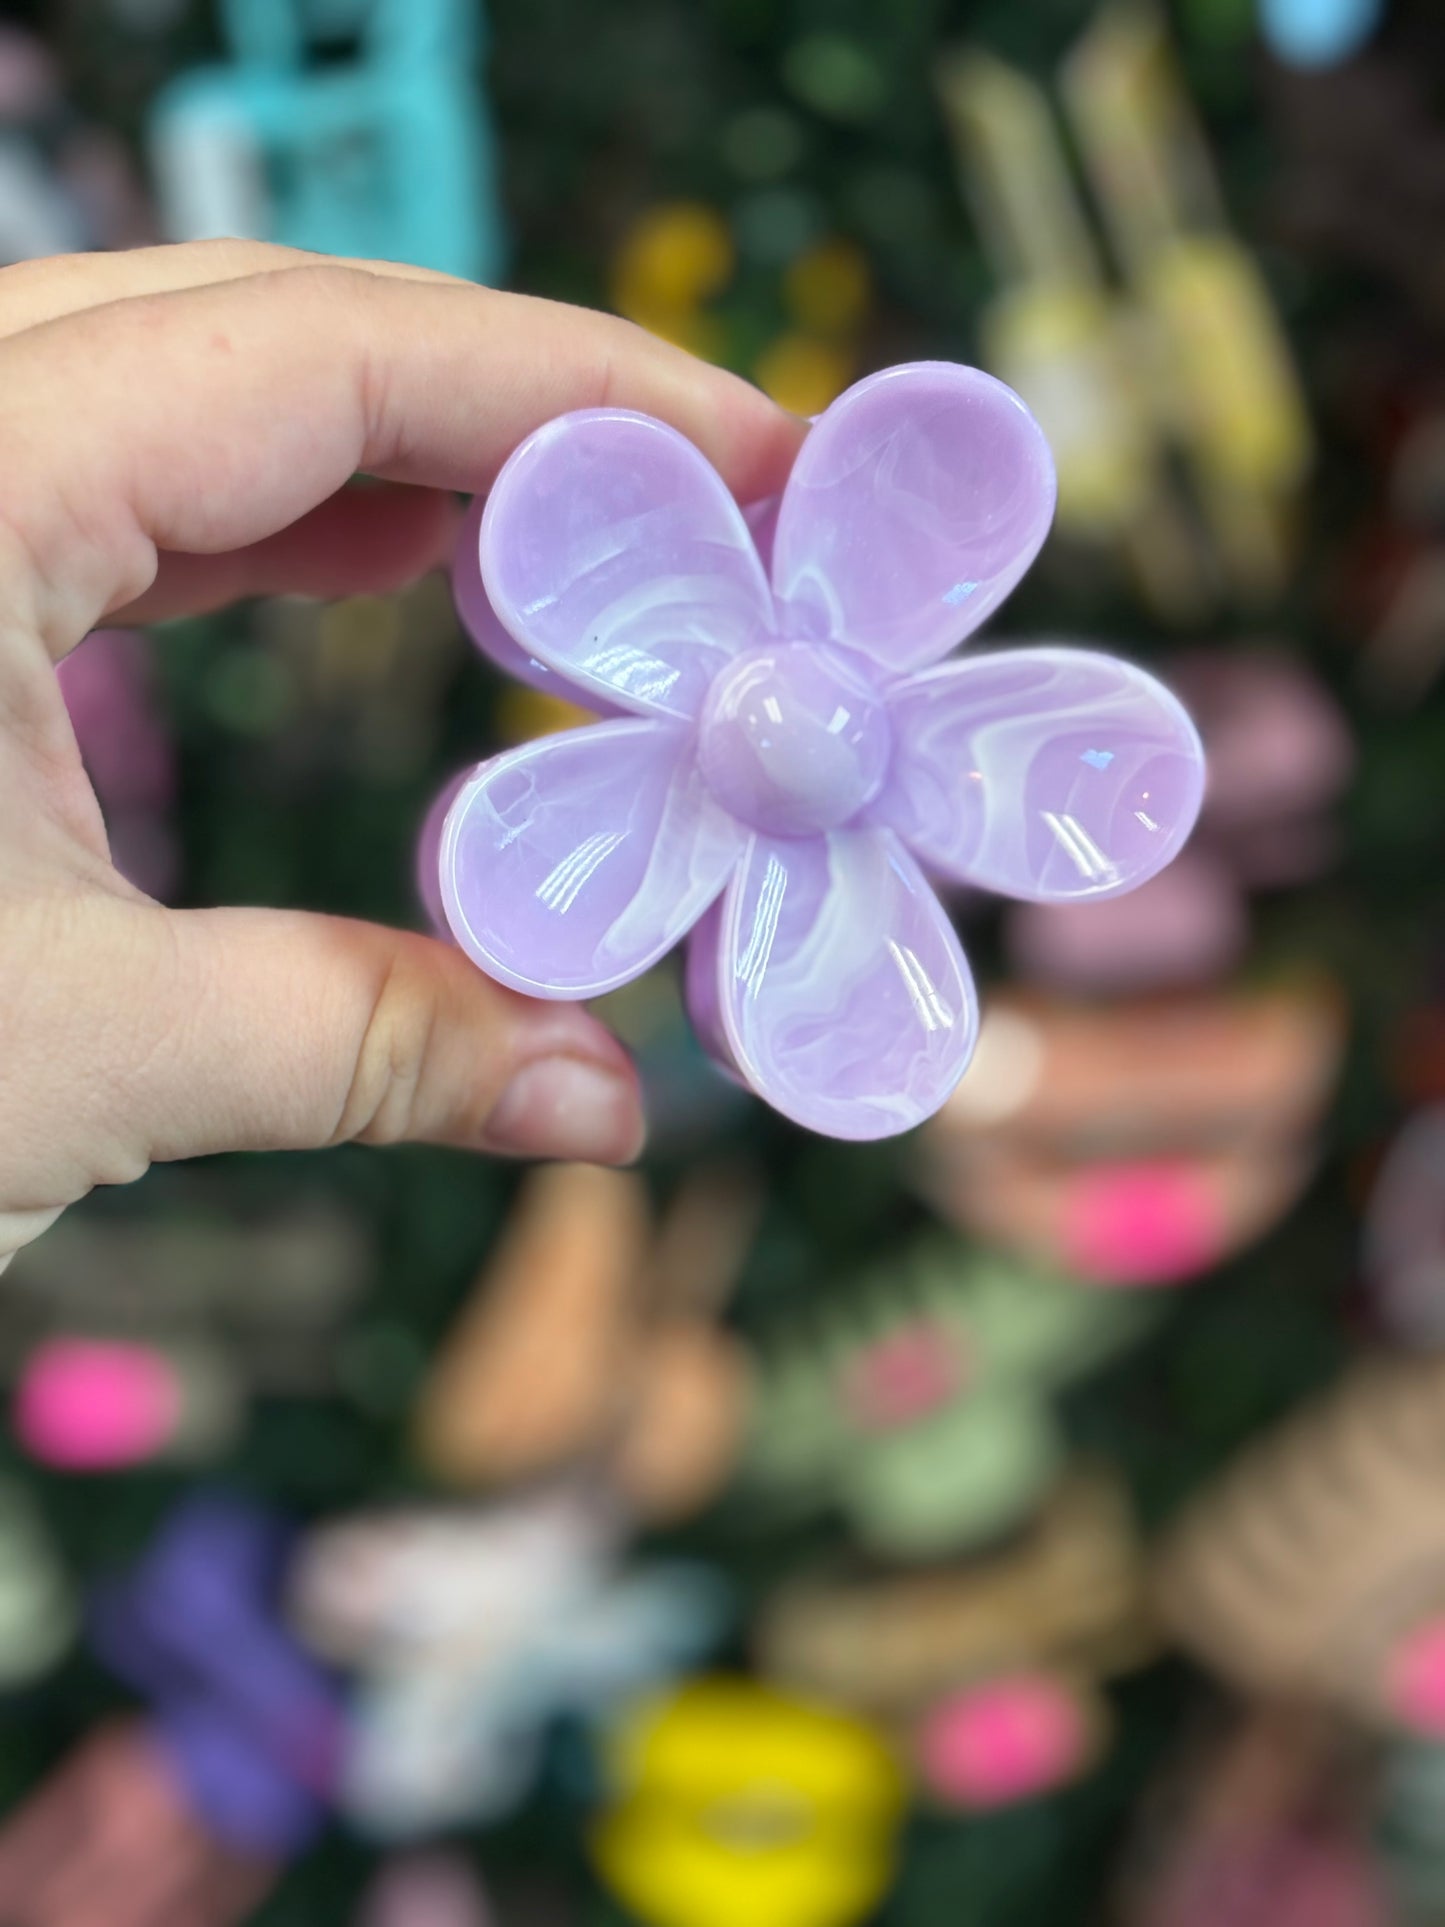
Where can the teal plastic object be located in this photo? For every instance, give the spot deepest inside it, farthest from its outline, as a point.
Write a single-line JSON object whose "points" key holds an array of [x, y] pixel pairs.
{"points": [[349, 127], [1318, 33]]}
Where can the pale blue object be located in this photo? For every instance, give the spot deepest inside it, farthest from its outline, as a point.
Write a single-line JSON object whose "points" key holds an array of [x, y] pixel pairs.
{"points": [[1318, 33], [349, 127]]}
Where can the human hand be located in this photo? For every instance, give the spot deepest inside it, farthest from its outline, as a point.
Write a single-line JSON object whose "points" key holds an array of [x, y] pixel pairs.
{"points": [[176, 429]]}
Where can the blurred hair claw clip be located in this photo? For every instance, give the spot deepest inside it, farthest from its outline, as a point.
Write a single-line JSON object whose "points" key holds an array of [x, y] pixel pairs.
{"points": [[1314, 1569], [788, 752], [114, 1835], [1269, 1808], [651, 1391], [987, 1669], [1140, 1142], [474, 1631], [728, 1801], [923, 1407], [385, 152], [253, 1725]]}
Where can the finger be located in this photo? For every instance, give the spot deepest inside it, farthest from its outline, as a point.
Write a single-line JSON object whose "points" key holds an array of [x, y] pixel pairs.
{"points": [[367, 541], [276, 389], [34, 292], [259, 1029]]}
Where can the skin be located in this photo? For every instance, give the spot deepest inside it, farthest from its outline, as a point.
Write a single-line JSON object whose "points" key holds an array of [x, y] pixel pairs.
{"points": [[177, 427]]}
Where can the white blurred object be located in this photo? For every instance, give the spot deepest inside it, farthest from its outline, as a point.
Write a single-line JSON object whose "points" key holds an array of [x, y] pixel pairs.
{"points": [[210, 180], [474, 1629]]}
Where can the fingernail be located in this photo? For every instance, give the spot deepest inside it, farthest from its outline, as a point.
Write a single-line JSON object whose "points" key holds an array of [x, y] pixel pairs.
{"points": [[564, 1107]]}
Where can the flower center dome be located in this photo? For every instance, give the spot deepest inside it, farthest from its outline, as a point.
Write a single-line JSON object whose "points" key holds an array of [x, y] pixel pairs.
{"points": [[793, 739]]}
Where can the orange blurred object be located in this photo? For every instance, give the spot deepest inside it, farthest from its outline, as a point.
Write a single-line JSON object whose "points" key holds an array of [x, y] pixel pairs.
{"points": [[592, 1340]]}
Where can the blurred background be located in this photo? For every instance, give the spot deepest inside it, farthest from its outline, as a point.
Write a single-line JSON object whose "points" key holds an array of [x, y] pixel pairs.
{"points": [[1037, 1519]]}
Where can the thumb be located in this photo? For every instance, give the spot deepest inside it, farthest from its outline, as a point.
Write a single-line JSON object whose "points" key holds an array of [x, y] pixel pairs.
{"points": [[262, 1029]]}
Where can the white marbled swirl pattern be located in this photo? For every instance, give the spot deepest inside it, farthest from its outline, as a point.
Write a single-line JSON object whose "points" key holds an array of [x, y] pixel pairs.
{"points": [[571, 864], [1042, 773]]}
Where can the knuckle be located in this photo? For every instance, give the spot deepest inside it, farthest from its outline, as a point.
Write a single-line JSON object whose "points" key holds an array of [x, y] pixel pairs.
{"points": [[384, 1100], [325, 280]]}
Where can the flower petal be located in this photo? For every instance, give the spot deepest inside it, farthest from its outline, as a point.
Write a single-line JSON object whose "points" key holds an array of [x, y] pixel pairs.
{"points": [[842, 995], [612, 552], [913, 508], [479, 618], [1048, 774], [571, 864], [762, 520]]}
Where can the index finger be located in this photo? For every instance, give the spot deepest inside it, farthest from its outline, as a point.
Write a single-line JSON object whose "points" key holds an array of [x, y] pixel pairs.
{"points": [[210, 418]]}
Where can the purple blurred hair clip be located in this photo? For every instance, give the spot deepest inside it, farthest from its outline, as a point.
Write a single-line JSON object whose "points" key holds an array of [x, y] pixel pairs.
{"points": [[782, 760]]}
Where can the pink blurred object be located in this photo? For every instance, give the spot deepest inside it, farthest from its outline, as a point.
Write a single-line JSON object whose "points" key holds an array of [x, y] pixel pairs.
{"points": [[1147, 1223], [1009, 1740], [109, 688], [1299, 1882], [1279, 754], [1187, 925], [92, 1405], [903, 1376], [1416, 1685], [112, 1838], [424, 1890]]}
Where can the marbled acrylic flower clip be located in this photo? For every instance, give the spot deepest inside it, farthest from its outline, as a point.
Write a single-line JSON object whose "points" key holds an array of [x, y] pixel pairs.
{"points": [[784, 752]]}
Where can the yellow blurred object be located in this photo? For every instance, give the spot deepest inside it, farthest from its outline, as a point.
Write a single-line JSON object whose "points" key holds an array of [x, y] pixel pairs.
{"points": [[803, 373], [734, 1805], [1191, 356], [673, 260], [678, 257], [1067, 342], [1062, 348], [524, 713], [1226, 387], [1139, 136], [1234, 396], [828, 288], [1014, 173]]}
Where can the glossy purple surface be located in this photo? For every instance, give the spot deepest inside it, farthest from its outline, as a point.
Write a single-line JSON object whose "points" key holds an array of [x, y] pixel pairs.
{"points": [[612, 552], [479, 618], [795, 740], [917, 503], [838, 988], [792, 741], [428, 853], [571, 864], [1042, 773]]}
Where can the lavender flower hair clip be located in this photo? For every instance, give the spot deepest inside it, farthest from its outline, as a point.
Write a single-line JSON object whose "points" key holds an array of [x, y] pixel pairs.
{"points": [[784, 753]]}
